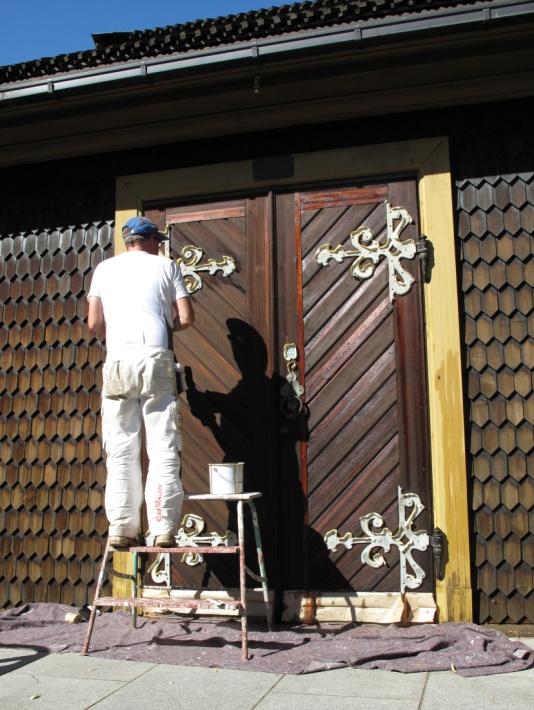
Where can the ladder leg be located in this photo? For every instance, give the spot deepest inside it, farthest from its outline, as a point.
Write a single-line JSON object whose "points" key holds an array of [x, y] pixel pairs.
{"points": [[261, 564], [135, 562], [98, 589], [242, 581]]}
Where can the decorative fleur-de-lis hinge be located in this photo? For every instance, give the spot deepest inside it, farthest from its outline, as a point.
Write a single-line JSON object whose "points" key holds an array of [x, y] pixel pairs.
{"points": [[159, 570], [190, 266], [368, 251], [378, 539], [191, 534]]}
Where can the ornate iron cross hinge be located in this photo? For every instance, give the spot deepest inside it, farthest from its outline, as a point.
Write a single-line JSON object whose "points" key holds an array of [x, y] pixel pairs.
{"points": [[159, 571], [378, 540], [189, 535], [190, 266], [368, 251]]}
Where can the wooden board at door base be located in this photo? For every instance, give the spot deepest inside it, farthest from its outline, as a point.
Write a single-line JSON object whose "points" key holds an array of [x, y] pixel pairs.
{"points": [[359, 607]]}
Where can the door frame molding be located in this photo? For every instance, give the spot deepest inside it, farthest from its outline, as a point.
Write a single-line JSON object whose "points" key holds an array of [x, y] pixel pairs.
{"points": [[428, 160]]}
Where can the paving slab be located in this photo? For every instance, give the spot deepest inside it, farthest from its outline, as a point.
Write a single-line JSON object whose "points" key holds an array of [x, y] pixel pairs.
{"points": [[22, 691], [295, 701], [356, 683], [73, 665], [506, 690], [13, 658], [167, 687], [12, 651], [61, 680]]}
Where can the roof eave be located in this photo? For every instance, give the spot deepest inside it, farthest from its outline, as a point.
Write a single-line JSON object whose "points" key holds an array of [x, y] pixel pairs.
{"points": [[382, 30]]}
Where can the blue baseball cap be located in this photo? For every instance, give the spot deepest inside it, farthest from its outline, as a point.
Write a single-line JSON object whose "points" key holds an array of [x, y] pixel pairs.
{"points": [[141, 227]]}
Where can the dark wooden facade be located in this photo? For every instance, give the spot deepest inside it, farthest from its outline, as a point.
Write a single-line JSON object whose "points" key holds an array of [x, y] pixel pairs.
{"points": [[51, 518], [53, 473], [495, 203]]}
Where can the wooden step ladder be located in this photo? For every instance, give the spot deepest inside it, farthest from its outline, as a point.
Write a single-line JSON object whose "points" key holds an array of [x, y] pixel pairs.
{"points": [[135, 602]]}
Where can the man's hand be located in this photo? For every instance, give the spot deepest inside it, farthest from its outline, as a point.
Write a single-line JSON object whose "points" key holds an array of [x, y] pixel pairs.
{"points": [[95, 317], [184, 316]]}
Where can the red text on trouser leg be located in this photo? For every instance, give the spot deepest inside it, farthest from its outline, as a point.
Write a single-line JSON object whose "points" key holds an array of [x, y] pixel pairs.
{"points": [[157, 502]]}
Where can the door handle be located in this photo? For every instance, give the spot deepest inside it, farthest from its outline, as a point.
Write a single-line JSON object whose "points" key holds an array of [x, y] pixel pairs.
{"points": [[291, 404]]}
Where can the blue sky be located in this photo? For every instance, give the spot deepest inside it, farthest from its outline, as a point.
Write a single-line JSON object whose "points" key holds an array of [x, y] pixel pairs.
{"points": [[32, 29]]}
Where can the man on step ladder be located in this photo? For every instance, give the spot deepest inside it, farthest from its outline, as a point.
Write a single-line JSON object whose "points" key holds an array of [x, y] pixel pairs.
{"points": [[134, 299]]}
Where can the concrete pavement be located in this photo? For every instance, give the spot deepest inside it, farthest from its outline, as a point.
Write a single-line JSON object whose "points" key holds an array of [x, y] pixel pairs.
{"points": [[31, 679]]}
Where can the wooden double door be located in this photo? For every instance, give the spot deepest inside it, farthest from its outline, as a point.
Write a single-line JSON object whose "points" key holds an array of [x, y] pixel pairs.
{"points": [[334, 441]]}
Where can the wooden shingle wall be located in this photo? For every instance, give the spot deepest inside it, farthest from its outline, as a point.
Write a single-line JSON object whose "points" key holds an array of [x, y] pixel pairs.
{"points": [[52, 473], [495, 201]]}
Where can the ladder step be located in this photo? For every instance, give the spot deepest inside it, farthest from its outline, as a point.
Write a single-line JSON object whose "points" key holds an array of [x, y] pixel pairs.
{"points": [[166, 603], [208, 550]]}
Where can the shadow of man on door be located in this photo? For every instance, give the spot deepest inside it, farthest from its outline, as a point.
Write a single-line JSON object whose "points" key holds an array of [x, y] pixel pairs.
{"points": [[248, 424]]}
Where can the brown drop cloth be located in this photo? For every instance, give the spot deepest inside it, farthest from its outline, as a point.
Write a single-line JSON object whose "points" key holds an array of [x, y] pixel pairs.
{"points": [[469, 649]]}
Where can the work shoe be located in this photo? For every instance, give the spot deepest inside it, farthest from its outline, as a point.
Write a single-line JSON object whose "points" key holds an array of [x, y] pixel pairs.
{"points": [[121, 541], [165, 540]]}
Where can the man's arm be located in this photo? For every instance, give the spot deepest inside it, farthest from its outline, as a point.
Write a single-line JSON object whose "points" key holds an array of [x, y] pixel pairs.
{"points": [[95, 317], [184, 316]]}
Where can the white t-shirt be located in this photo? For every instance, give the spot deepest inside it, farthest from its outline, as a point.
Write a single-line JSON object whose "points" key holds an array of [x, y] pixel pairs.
{"points": [[138, 291]]}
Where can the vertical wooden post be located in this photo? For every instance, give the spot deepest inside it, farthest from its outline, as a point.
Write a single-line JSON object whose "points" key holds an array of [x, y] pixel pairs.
{"points": [[449, 472]]}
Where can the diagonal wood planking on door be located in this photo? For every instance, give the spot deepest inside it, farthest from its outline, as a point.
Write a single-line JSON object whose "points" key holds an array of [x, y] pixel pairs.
{"points": [[352, 455]]}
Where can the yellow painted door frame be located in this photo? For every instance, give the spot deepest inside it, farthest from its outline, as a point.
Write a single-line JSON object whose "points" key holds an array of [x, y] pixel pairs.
{"points": [[428, 160]]}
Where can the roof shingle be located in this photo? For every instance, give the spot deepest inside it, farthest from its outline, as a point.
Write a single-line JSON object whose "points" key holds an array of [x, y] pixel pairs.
{"points": [[112, 48]]}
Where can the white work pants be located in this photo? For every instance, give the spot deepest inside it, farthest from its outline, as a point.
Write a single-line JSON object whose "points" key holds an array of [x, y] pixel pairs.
{"points": [[137, 391]]}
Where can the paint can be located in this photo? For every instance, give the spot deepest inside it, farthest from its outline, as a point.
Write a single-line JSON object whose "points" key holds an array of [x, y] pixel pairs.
{"points": [[226, 478], [71, 617]]}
